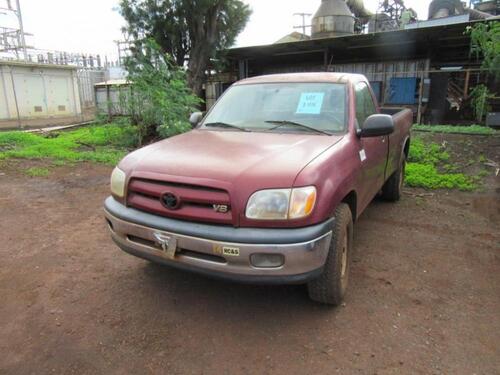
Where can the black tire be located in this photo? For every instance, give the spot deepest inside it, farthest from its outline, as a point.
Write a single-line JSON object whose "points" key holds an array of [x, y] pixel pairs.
{"points": [[393, 188], [331, 286]]}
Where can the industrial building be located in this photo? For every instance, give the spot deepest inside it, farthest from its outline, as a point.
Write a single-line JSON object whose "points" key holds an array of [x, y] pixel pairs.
{"points": [[32, 95], [424, 65], [41, 88]]}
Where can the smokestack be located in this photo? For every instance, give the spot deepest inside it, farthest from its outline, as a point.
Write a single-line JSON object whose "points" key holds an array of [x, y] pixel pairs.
{"points": [[332, 19]]}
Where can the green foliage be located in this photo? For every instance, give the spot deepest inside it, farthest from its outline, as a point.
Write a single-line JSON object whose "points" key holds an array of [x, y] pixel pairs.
{"points": [[102, 144], [160, 102], [422, 169], [426, 153], [485, 43], [427, 176], [193, 32], [480, 97], [37, 172], [452, 129]]}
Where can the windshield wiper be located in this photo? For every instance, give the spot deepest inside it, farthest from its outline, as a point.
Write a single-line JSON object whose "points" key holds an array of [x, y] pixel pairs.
{"points": [[292, 123], [219, 124]]}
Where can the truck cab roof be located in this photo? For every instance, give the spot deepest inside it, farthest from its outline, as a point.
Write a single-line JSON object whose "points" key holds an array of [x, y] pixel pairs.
{"points": [[304, 77]]}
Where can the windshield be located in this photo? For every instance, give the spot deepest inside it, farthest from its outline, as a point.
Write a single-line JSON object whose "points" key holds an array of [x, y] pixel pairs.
{"points": [[302, 107]]}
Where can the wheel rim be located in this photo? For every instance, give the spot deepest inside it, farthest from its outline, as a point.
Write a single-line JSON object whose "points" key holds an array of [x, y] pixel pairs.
{"points": [[344, 257]]}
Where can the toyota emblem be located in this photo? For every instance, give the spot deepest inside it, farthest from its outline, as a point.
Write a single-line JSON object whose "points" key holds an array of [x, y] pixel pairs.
{"points": [[170, 201]]}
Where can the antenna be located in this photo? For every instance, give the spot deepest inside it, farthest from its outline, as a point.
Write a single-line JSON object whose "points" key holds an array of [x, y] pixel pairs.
{"points": [[304, 26]]}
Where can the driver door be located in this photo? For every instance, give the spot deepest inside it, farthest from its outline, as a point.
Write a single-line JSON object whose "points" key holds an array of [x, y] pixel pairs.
{"points": [[372, 151]]}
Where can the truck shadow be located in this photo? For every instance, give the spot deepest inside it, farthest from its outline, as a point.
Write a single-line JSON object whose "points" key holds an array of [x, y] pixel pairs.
{"points": [[192, 292], [182, 293]]}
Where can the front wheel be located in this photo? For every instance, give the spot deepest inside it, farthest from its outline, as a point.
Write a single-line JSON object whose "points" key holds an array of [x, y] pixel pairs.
{"points": [[331, 286]]}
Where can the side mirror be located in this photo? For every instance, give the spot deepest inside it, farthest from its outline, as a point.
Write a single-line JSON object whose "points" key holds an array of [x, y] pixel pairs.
{"points": [[195, 118], [376, 126]]}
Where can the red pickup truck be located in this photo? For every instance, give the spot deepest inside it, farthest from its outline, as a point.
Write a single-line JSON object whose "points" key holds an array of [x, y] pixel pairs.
{"points": [[267, 186]]}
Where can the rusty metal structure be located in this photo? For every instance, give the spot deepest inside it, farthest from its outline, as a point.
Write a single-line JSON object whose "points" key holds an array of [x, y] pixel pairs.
{"points": [[333, 18], [488, 6], [449, 8], [391, 15]]}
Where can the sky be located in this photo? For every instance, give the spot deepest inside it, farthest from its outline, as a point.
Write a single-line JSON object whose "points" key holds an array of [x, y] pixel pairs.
{"points": [[92, 26]]}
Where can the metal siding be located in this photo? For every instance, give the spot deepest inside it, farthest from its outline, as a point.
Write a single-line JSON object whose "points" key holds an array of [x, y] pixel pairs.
{"points": [[59, 95], [118, 97], [102, 100], [384, 72], [43, 95], [4, 104], [31, 95], [86, 83]]}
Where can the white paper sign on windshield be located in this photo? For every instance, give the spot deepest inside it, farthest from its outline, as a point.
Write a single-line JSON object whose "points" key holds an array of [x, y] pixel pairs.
{"points": [[310, 103]]}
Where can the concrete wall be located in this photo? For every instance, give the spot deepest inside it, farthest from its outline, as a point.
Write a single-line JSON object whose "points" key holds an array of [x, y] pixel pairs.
{"points": [[34, 95]]}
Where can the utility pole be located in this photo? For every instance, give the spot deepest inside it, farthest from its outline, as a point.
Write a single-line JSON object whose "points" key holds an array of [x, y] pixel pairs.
{"points": [[21, 30], [304, 26], [13, 39]]}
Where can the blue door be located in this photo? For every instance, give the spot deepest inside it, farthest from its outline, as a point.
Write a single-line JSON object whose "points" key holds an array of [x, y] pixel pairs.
{"points": [[403, 91]]}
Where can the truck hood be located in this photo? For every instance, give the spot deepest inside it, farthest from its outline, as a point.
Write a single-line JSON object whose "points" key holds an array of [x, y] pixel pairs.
{"points": [[271, 159]]}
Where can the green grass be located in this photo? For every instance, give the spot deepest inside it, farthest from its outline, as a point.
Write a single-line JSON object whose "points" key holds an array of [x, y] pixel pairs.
{"points": [[37, 172], [427, 153], [427, 176], [424, 164], [452, 129], [100, 143]]}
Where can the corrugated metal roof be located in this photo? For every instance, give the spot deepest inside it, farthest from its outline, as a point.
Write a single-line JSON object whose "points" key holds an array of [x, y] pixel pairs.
{"points": [[399, 43]]}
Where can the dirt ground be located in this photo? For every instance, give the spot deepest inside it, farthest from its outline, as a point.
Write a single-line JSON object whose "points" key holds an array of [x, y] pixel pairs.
{"points": [[424, 295]]}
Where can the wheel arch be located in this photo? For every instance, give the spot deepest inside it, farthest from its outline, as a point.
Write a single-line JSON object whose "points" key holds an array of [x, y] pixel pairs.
{"points": [[351, 199], [406, 148]]}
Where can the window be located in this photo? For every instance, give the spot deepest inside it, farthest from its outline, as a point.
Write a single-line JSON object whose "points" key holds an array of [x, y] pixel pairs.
{"points": [[255, 106], [364, 103]]}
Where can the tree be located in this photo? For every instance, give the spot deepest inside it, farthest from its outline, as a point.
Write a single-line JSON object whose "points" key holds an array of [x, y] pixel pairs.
{"points": [[192, 31], [159, 101], [485, 42]]}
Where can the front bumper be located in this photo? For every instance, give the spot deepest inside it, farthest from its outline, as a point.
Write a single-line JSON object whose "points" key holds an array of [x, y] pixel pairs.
{"points": [[220, 251]]}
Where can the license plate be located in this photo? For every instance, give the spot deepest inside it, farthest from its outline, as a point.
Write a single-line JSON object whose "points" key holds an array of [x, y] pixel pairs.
{"points": [[168, 245]]}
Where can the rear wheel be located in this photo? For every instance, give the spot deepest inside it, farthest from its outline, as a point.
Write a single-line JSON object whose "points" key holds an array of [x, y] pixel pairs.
{"points": [[331, 286], [393, 188]]}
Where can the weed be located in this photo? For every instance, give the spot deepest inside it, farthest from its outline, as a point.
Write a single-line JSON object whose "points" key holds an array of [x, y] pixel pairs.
{"points": [[59, 163], [427, 176], [426, 153], [483, 173], [422, 169], [452, 129], [37, 172], [102, 144]]}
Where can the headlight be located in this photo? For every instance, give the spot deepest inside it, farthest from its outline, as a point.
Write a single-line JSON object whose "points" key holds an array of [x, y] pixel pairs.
{"points": [[118, 178], [281, 204]]}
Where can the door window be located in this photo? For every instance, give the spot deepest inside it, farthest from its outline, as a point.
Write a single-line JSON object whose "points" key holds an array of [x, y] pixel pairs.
{"points": [[364, 103]]}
